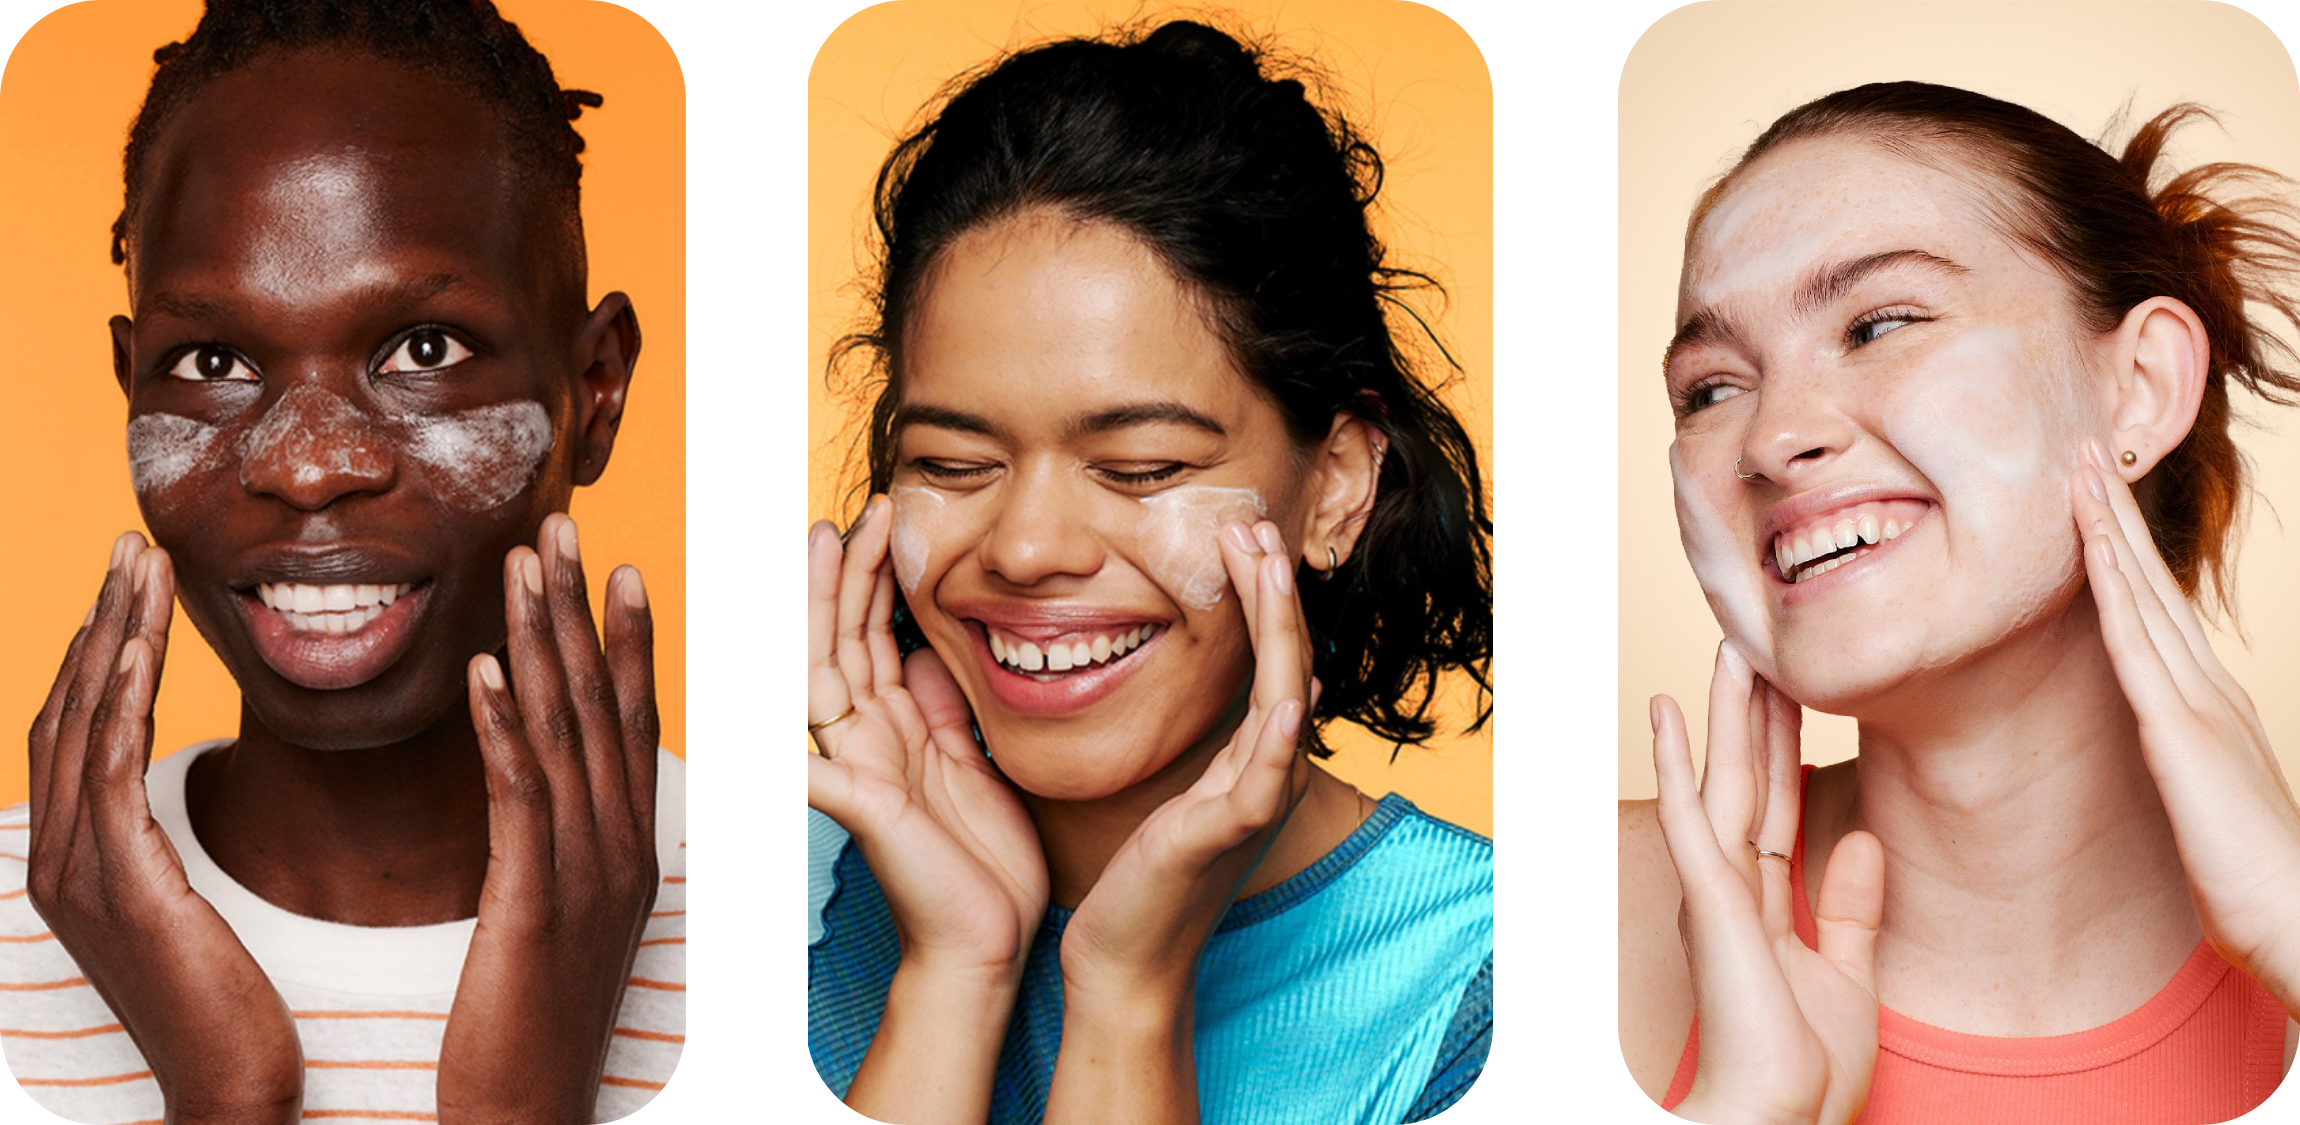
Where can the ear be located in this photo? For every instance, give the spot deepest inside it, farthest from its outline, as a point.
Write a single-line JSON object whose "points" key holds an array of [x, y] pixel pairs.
{"points": [[1344, 470], [607, 350], [123, 352], [2160, 355]]}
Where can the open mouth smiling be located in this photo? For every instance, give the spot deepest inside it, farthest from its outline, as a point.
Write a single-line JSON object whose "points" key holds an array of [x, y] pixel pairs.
{"points": [[1822, 543], [340, 608], [1049, 658]]}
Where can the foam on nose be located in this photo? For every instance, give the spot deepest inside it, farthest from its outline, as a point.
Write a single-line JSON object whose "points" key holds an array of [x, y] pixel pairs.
{"points": [[315, 434]]}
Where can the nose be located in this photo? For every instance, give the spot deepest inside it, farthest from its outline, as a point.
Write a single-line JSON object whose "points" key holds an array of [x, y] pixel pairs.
{"points": [[313, 447], [1799, 427], [1040, 532]]}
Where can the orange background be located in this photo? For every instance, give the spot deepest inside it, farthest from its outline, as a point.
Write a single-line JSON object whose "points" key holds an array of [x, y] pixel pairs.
{"points": [[70, 91], [1404, 74]]}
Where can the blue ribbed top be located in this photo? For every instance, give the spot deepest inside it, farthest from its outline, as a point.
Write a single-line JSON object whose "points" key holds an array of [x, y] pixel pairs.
{"points": [[1358, 991]]}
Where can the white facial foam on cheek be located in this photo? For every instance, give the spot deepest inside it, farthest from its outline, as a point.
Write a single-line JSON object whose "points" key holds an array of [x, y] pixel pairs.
{"points": [[163, 448], [1180, 539], [1995, 430], [918, 516], [484, 457], [1728, 569]]}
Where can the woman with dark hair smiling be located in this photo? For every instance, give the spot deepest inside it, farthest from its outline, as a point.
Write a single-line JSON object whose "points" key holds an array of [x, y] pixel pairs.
{"points": [[362, 381], [1952, 393], [1140, 375]]}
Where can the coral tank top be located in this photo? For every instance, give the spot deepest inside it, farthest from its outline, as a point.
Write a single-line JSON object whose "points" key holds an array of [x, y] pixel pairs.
{"points": [[2208, 1047]]}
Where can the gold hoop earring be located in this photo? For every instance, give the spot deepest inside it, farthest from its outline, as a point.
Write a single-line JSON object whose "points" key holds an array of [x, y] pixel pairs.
{"points": [[1333, 563]]}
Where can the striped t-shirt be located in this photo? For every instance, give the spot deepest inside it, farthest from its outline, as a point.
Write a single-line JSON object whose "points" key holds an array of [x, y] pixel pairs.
{"points": [[370, 1003]]}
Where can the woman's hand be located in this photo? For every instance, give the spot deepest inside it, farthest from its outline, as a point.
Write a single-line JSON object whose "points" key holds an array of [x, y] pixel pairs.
{"points": [[1788, 1034], [946, 836], [2232, 814], [110, 886], [569, 748], [1130, 953]]}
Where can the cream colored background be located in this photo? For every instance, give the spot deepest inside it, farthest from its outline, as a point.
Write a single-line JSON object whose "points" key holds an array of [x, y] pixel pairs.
{"points": [[1405, 75], [1705, 80]]}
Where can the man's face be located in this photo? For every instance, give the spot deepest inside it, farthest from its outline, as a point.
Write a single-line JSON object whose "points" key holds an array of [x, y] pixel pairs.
{"points": [[351, 380]]}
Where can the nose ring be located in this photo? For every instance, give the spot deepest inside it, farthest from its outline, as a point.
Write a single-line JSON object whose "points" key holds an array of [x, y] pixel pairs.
{"points": [[1744, 476]]}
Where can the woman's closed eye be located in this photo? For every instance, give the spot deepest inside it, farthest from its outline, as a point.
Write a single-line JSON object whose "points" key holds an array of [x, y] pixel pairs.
{"points": [[212, 363], [1135, 474], [948, 472]]}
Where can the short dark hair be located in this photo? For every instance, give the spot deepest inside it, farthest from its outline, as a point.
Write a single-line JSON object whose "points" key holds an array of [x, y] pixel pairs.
{"points": [[1257, 198], [466, 42]]}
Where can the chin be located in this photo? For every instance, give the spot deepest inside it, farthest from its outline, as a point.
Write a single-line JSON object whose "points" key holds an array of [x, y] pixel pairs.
{"points": [[361, 718], [1057, 768]]}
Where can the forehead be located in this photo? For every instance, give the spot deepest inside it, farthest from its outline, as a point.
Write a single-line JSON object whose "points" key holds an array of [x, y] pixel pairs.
{"points": [[1831, 199], [1041, 312], [303, 169]]}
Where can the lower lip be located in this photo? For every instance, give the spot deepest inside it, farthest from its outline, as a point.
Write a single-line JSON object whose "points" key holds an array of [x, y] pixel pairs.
{"points": [[334, 661], [1800, 592], [1072, 692]]}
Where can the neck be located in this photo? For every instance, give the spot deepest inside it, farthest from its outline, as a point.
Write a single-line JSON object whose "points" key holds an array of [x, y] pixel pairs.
{"points": [[2032, 885], [390, 836]]}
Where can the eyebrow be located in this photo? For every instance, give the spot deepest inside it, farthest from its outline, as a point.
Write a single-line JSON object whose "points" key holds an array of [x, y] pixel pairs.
{"points": [[1822, 286], [195, 306], [1099, 422]]}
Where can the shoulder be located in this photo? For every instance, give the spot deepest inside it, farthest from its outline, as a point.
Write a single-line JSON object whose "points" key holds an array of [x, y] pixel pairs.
{"points": [[1656, 990]]}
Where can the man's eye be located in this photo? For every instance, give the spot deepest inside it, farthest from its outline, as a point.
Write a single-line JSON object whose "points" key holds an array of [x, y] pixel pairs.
{"points": [[428, 350], [211, 364], [1701, 397]]}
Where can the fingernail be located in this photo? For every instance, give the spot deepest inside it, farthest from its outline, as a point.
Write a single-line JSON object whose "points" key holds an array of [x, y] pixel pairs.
{"points": [[1281, 572], [531, 573], [1239, 537], [490, 673], [2106, 553], [1653, 713], [2092, 484], [2095, 452], [634, 591], [1271, 540], [815, 534], [1290, 719], [127, 657], [119, 551], [567, 549], [90, 619]]}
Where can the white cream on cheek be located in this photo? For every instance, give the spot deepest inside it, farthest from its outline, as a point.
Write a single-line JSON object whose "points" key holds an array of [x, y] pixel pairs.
{"points": [[164, 448], [1992, 421], [1725, 566], [919, 521], [477, 459], [484, 457], [1179, 534]]}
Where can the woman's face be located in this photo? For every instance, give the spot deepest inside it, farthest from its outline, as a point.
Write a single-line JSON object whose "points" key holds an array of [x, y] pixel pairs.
{"points": [[347, 382], [1072, 439], [1906, 389]]}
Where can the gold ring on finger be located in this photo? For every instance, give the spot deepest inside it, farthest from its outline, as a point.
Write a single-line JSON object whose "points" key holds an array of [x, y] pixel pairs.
{"points": [[812, 728], [1763, 853]]}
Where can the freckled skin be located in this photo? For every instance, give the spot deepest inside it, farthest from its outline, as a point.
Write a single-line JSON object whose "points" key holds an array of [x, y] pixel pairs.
{"points": [[306, 212], [1032, 324], [1999, 758], [1975, 401]]}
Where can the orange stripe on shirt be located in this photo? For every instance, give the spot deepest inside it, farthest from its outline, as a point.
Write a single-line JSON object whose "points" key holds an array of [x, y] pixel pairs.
{"points": [[655, 1036], [44, 985], [76, 1033], [17, 893], [633, 1083], [674, 878], [27, 939], [106, 1080], [664, 941], [369, 1064], [658, 985], [380, 1015], [667, 914]]}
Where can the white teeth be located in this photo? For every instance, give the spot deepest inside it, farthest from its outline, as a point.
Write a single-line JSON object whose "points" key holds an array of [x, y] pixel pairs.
{"points": [[329, 609], [1066, 656], [1794, 550]]}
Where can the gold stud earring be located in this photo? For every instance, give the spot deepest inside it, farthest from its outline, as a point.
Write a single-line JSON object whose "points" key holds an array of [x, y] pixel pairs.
{"points": [[2129, 457]]}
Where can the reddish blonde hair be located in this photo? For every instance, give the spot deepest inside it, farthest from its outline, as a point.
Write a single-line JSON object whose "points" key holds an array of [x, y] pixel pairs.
{"points": [[2214, 237]]}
